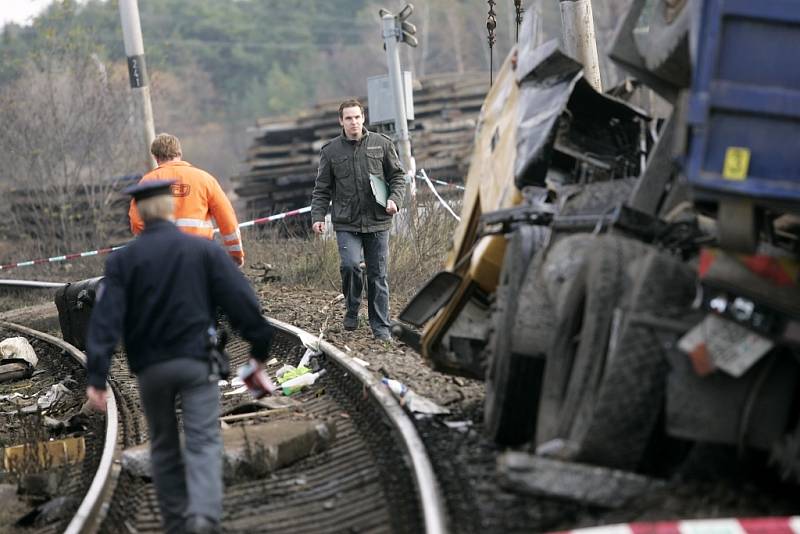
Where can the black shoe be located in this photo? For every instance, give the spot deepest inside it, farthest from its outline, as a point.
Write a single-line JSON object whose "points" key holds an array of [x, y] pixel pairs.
{"points": [[350, 323], [200, 524], [383, 336]]}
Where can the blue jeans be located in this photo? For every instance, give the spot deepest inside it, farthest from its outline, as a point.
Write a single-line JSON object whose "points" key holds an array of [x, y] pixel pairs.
{"points": [[376, 253]]}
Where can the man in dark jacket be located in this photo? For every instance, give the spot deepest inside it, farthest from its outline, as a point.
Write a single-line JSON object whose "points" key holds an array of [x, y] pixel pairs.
{"points": [[352, 170], [160, 293]]}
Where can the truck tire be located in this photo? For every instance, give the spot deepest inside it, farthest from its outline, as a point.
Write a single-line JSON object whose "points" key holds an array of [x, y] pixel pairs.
{"points": [[619, 411], [512, 378], [549, 275], [665, 47], [518, 353], [580, 339]]}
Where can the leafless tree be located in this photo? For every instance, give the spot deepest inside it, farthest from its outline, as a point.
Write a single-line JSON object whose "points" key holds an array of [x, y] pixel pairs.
{"points": [[65, 142]]}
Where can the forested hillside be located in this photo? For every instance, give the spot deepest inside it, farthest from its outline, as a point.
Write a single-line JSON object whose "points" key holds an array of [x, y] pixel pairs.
{"points": [[268, 56]]}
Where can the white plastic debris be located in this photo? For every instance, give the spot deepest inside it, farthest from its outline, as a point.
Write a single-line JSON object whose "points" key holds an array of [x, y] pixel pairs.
{"points": [[461, 426], [236, 382], [411, 400], [238, 391], [299, 382], [398, 388], [309, 341], [53, 395], [419, 404], [309, 353], [19, 348]]}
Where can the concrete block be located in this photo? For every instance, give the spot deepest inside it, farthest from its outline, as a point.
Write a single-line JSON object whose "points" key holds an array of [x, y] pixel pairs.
{"points": [[589, 484], [254, 449]]}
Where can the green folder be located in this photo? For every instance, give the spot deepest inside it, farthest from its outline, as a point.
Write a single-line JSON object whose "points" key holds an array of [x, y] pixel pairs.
{"points": [[379, 189]]}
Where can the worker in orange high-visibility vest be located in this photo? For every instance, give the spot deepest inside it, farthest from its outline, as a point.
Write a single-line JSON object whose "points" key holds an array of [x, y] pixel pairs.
{"points": [[198, 197]]}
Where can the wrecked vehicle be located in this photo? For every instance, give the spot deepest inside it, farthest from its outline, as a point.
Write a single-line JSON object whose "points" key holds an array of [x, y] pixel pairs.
{"points": [[551, 155], [680, 320]]}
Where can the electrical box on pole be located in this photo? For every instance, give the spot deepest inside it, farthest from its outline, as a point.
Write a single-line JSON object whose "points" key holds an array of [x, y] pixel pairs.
{"points": [[380, 98]]}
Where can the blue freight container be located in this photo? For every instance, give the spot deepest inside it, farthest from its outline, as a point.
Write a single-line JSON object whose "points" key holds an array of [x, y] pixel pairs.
{"points": [[744, 104]]}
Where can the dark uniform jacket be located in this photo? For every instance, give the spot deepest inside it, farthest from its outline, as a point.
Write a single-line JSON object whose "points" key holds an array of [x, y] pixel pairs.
{"points": [[343, 181], [161, 292]]}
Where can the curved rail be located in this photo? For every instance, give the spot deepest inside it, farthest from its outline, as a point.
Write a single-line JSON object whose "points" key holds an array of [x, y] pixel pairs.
{"points": [[87, 518], [427, 488]]}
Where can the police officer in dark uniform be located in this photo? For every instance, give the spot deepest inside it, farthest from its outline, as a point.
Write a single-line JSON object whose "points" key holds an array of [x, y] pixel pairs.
{"points": [[160, 294], [347, 166]]}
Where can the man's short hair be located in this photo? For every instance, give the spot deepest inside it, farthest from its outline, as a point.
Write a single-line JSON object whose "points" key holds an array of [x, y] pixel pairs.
{"points": [[157, 207], [350, 104], [165, 146]]}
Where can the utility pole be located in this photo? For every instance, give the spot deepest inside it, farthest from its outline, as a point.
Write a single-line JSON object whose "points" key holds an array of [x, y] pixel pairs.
{"points": [[137, 72], [579, 39], [396, 29]]}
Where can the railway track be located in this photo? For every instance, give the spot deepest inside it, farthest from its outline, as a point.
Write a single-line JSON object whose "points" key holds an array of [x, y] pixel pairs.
{"points": [[83, 486], [374, 477]]}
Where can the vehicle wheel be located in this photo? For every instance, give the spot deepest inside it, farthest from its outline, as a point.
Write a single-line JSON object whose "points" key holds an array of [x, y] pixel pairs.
{"points": [[619, 409], [518, 349], [580, 340], [512, 378], [665, 46]]}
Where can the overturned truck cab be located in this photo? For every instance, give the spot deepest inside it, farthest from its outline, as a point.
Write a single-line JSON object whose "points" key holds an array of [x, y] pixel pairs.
{"points": [[543, 134]]}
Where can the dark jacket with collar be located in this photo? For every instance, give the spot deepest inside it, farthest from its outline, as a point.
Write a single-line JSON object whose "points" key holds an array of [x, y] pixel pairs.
{"points": [[343, 182], [160, 294]]}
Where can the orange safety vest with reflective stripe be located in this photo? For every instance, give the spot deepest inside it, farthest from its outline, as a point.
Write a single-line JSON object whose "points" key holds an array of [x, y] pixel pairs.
{"points": [[199, 201]]}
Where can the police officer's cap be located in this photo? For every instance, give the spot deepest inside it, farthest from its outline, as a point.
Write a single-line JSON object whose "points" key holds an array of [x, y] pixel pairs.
{"points": [[150, 188]]}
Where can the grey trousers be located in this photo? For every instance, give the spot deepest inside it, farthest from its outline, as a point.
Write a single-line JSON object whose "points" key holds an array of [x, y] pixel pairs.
{"points": [[376, 256], [188, 479]]}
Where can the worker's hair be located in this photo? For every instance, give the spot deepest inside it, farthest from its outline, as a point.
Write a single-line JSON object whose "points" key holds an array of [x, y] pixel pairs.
{"points": [[165, 147], [155, 208], [350, 104]]}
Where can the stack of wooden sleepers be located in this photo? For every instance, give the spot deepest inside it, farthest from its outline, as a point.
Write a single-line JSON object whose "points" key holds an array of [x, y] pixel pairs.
{"points": [[284, 156]]}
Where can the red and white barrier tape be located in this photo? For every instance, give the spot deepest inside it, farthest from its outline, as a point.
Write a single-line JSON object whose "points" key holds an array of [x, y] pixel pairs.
{"points": [[437, 195], [757, 525], [107, 250], [441, 182], [276, 217], [56, 259]]}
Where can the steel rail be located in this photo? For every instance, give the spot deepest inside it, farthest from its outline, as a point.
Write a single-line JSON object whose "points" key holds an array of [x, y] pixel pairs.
{"points": [[88, 516], [428, 491]]}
